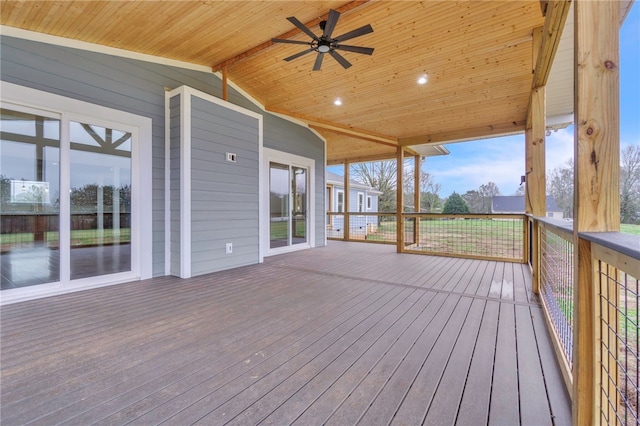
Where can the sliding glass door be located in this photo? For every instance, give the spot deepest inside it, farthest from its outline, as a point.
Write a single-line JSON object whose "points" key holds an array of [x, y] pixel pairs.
{"points": [[64, 223], [287, 205], [29, 199]]}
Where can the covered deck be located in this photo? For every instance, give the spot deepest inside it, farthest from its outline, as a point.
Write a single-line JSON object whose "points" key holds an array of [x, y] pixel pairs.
{"points": [[345, 334]]}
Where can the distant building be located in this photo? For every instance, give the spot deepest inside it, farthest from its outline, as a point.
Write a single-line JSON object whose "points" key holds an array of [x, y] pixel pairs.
{"points": [[362, 199], [516, 205]]}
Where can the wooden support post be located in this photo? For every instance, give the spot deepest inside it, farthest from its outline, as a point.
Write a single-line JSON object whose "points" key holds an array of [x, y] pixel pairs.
{"points": [[584, 337], [535, 153], [416, 197], [596, 177], [225, 85], [347, 219], [400, 200]]}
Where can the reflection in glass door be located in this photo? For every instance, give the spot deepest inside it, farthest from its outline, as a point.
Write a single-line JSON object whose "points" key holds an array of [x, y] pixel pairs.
{"points": [[29, 199], [287, 205], [100, 200], [96, 215], [299, 201]]}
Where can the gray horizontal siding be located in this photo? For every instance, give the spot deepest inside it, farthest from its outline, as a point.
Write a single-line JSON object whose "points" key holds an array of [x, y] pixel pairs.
{"points": [[138, 87], [215, 130]]}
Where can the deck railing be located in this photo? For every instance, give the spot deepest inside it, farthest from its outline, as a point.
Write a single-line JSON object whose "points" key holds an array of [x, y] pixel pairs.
{"points": [[482, 236], [600, 308], [615, 260], [556, 286]]}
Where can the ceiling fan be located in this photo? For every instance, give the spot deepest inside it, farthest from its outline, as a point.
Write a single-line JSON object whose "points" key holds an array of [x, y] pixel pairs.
{"points": [[325, 43]]}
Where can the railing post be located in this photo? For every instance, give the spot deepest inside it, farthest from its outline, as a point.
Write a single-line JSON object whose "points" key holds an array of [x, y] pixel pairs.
{"points": [[584, 338], [400, 200], [346, 207], [416, 199], [536, 261]]}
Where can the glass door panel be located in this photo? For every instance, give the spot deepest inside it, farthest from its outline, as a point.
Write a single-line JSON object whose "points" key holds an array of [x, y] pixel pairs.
{"points": [[299, 201], [279, 187], [29, 199], [100, 200]]}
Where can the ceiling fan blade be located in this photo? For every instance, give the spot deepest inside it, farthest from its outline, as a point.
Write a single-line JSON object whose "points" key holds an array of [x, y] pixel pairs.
{"points": [[297, 55], [355, 49], [332, 20], [341, 60], [284, 40], [318, 63], [355, 33], [302, 27]]}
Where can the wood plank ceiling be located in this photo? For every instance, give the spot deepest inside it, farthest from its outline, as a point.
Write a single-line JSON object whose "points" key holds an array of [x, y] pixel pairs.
{"points": [[477, 56]]}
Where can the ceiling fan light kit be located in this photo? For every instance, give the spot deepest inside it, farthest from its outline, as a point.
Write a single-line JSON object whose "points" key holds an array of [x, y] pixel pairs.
{"points": [[325, 43]]}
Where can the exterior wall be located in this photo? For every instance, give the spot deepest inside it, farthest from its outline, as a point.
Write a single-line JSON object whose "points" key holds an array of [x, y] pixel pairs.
{"points": [[224, 195], [138, 87]]}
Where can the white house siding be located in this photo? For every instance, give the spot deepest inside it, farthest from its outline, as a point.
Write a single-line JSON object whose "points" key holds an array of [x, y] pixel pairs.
{"points": [[138, 87]]}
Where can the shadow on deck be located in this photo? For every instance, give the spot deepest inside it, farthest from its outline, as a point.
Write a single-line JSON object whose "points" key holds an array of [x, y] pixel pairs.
{"points": [[345, 334]]}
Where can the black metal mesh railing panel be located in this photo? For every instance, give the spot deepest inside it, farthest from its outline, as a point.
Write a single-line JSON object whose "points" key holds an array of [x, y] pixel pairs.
{"points": [[617, 298], [470, 236], [556, 286]]}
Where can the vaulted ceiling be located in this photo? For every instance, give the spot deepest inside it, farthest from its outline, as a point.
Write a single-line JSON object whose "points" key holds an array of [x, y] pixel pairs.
{"points": [[477, 56]]}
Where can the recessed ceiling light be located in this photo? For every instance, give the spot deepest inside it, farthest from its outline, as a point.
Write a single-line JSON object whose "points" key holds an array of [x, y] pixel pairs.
{"points": [[337, 102], [422, 79]]}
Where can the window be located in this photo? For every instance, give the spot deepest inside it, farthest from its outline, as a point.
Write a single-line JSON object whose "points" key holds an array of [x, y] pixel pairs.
{"points": [[369, 202], [340, 201], [74, 173], [360, 201]]}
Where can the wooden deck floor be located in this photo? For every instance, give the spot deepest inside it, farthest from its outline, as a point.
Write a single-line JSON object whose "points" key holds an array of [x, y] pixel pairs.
{"points": [[346, 334]]}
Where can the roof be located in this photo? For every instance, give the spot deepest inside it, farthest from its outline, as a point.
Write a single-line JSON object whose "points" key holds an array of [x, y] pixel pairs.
{"points": [[477, 56], [516, 204], [338, 180]]}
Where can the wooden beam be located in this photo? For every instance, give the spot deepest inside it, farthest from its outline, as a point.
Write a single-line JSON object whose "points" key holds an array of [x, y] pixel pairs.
{"points": [[319, 123], [225, 85], [556, 15], [361, 159], [248, 53], [596, 180], [536, 203], [597, 129], [465, 134]]}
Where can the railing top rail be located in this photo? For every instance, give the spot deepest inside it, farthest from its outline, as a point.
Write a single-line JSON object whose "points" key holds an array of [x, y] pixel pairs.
{"points": [[559, 224], [468, 215], [626, 244]]}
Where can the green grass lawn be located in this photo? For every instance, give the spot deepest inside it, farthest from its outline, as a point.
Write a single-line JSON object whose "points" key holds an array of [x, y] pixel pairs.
{"points": [[630, 229]]}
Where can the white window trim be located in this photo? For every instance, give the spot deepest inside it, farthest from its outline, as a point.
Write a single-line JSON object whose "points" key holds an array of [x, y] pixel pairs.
{"points": [[338, 192], [68, 109], [361, 202], [274, 156], [369, 202]]}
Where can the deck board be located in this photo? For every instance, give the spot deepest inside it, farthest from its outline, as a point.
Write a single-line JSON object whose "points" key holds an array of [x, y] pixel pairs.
{"points": [[338, 335]]}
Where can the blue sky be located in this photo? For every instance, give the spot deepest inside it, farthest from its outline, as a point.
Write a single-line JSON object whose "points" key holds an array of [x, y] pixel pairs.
{"points": [[472, 164]]}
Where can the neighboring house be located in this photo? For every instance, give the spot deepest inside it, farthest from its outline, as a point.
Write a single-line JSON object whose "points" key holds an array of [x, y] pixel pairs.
{"points": [[165, 177], [515, 204], [362, 199]]}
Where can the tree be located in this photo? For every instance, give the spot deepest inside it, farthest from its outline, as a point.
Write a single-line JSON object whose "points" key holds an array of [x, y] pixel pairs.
{"points": [[380, 175], [520, 192], [487, 192], [560, 186], [630, 184], [455, 204], [474, 201]]}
